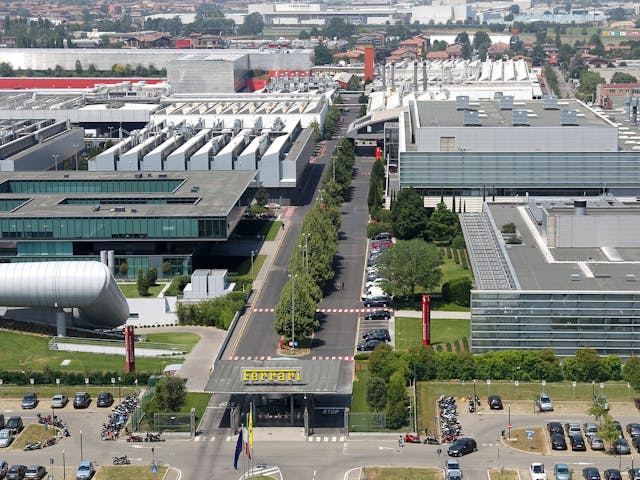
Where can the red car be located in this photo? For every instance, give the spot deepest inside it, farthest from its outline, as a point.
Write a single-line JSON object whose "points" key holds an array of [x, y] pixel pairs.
{"points": [[412, 438]]}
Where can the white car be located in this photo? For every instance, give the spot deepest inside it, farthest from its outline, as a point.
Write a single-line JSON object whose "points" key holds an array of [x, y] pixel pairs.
{"points": [[537, 471], [6, 437], [544, 403], [451, 465]]}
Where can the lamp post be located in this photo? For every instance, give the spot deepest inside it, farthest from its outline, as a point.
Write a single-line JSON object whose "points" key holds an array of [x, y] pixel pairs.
{"points": [[55, 157], [75, 148], [293, 309], [253, 252], [64, 467], [474, 394], [509, 420], [81, 457], [119, 393]]}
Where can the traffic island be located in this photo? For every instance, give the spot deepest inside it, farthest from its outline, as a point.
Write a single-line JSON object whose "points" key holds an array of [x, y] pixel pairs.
{"points": [[401, 473], [528, 440], [301, 348], [127, 472], [503, 474]]}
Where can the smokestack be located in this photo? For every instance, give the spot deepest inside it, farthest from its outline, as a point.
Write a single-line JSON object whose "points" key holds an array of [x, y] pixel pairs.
{"points": [[393, 75], [415, 77], [580, 208], [627, 106], [424, 76], [111, 263]]}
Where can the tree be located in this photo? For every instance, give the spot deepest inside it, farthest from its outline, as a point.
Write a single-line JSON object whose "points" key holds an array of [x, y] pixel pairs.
{"points": [[598, 409], [515, 9], [621, 77], [377, 393], [304, 319], [166, 267], [151, 277], [443, 225], [585, 366], [339, 28], [408, 215], [608, 430], [408, 264], [170, 394], [631, 372], [462, 38], [262, 196], [123, 268], [588, 83], [141, 283], [481, 40], [467, 51], [322, 55], [253, 24], [303, 35]]}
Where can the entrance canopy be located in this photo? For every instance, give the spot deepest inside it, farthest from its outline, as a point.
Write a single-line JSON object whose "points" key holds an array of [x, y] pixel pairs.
{"points": [[282, 376]]}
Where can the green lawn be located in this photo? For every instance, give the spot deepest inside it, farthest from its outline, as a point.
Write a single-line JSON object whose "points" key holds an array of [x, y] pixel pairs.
{"points": [[20, 351], [243, 269], [451, 270], [359, 396], [409, 331], [128, 472], [196, 400], [187, 339], [403, 473], [264, 228], [275, 227], [130, 290]]}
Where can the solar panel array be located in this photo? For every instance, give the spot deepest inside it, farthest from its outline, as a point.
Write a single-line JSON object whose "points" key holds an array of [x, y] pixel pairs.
{"points": [[489, 265]]}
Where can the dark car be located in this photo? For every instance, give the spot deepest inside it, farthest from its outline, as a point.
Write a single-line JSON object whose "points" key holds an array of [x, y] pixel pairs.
{"points": [[369, 345], [105, 399], [621, 447], [30, 400], [14, 424], [495, 402], [633, 429], [591, 473], [377, 334], [16, 472], [612, 474], [35, 472], [462, 446], [383, 236], [635, 441], [634, 473], [377, 301], [577, 443], [558, 442], [81, 400], [554, 427], [4, 468], [377, 315]]}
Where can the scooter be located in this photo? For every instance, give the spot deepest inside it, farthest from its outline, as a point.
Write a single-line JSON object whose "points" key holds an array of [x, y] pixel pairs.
{"points": [[431, 441], [122, 460], [134, 437]]}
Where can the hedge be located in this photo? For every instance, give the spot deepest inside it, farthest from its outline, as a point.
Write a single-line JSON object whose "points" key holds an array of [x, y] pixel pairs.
{"points": [[212, 313], [48, 377]]}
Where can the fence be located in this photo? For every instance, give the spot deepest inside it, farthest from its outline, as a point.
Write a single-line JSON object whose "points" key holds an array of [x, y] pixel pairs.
{"points": [[138, 413], [367, 422], [173, 422]]}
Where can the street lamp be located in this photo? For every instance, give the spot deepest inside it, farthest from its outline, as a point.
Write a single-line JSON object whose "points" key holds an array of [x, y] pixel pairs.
{"points": [[81, 457], [293, 309], [509, 420], [76, 148], [55, 160], [253, 252]]}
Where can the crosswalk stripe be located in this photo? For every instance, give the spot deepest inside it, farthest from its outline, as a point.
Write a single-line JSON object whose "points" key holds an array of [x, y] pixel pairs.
{"points": [[196, 439]]}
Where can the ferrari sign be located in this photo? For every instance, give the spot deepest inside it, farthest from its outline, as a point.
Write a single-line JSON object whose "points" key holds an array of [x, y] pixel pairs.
{"points": [[271, 376]]}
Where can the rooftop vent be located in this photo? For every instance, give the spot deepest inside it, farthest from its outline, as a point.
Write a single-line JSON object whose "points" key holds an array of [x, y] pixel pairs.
{"points": [[630, 277], [519, 118], [575, 277], [119, 209], [569, 117], [66, 175], [506, 102], [550, 102], [462, 102], [471, 118], [162, 175], [138, 175]]}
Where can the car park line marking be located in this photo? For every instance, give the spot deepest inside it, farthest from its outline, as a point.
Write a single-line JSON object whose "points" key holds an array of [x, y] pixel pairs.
{"points": [[329, 310]]}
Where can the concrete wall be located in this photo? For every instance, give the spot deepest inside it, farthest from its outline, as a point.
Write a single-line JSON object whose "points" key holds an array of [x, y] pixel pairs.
{"points": [[619, 231]]}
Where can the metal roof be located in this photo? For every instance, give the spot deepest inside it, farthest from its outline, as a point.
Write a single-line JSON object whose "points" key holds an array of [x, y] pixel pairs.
{"points": [[316, 376]]}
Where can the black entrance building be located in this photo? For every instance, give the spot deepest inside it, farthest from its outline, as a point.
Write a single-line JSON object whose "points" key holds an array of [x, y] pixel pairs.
{"points": [[286, 392]]}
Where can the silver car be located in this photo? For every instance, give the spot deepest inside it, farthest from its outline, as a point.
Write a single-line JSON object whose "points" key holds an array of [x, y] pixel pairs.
{"points": [[59, 401], [596, 443], [6, 437]]}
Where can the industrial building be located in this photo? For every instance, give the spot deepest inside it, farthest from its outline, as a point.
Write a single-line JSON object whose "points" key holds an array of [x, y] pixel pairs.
{"points": [[506, 149], [69, 215], [566, 279]]}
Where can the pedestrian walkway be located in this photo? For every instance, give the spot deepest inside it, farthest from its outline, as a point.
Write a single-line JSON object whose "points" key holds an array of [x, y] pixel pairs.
{"points": [[328, 310], [434, 314], [315, 357]]}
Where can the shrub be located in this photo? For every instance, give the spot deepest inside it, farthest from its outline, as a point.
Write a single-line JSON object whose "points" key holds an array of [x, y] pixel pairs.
{"points": [[218, 312], [514, 240], [397, 415], [458, 242], [374, 229], [177, 285], [166, 267], [509, 228], [123, 268]]}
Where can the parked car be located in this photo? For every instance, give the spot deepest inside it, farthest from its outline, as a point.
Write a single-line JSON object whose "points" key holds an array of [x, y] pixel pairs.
{"points": [[377, 334], [81, 400], [4, 467], [85, 471], [383, 236], [561, 471], [454, 475], [612, 474], [555, 427], [633, 429], [462, 446], [1, 421], [451, 464], [536, 471], [572, 429], [590, 429], [635, 441], [621, 447], [6, 437], [634, 473], [14, 424], [369, 345], [577, 443], [30, 400], [377, 301], [495, 402], [59, 400], [35, 472], [618, 426], [16, 472], [377, 315], [558, 442], [544, 403], [591, 473], [105, 399], [596, 443]]}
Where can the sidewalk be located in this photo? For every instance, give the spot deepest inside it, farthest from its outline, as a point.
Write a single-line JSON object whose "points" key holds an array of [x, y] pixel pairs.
{"points": [[434, 314]]}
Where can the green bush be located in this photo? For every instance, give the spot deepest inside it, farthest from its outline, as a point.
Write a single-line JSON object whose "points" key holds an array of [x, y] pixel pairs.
{"points": [[514, 240], [509, 228], [48, 377], [212, 313], [458, 243], [374, 229], [177, 285], [397, 415]]}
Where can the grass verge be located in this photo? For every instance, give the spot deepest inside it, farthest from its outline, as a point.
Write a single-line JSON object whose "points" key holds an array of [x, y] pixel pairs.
{"points": [[402, 473], [33, 432], [359, 394], [504, 474], [130, 290], [196, 400], [409, 331], [23, 351], [187, 339], [519, 440], [127, 472]]}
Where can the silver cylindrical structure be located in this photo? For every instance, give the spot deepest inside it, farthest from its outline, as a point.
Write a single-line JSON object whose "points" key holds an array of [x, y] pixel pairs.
{"points": [[393, 75], [103, 257], [415, 77], [424, 76], [111, 261]]}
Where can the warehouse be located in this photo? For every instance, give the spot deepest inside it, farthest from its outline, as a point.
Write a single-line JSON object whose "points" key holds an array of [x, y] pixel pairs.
{"points": [[555, 274]]}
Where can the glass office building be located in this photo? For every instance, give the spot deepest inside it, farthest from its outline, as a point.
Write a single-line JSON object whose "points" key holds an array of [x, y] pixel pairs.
{"points": [[155, 221]]}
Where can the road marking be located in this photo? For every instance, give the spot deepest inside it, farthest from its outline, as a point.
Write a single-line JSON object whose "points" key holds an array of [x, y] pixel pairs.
{"points": [[325, 310], [196, 439], [326, 439], [229, 439]]}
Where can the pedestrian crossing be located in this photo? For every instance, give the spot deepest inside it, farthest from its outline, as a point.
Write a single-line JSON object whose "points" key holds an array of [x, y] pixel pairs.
{"points": [[326, 310], [325, 439], [232, 438], [315, 357]]}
